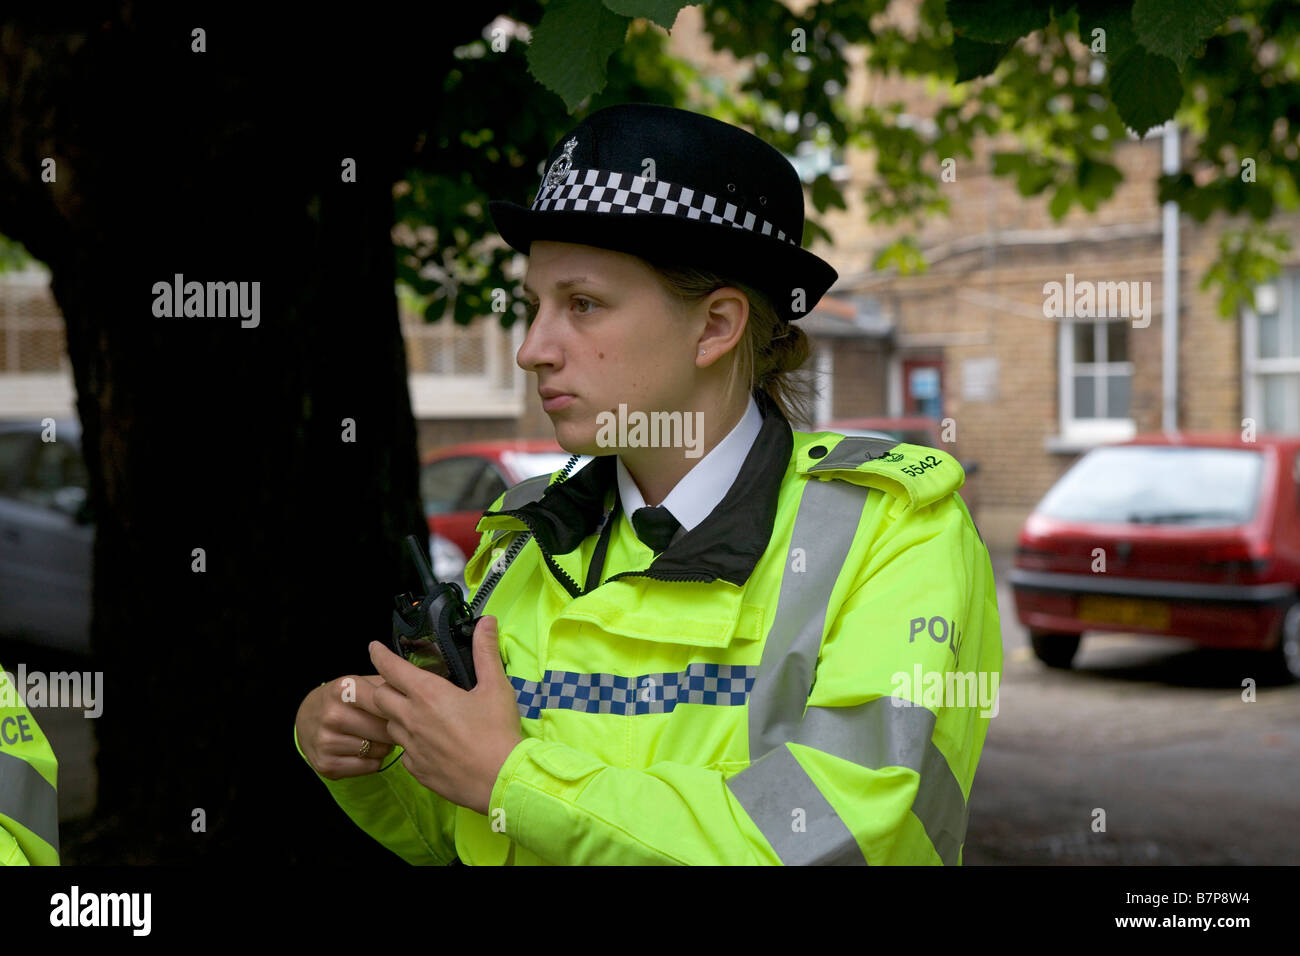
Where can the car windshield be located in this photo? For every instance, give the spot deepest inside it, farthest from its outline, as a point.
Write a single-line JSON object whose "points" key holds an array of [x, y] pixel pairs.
{"points": [[527, 464], [1144, 484]]}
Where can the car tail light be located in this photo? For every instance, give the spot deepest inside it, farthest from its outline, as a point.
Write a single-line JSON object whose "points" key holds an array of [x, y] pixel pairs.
{"points": [[1032, 557], [1238, 558]]}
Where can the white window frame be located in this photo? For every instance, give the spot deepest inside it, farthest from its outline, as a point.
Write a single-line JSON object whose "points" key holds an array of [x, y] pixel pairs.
{"points": [[1253, 368], [1081, 433]]}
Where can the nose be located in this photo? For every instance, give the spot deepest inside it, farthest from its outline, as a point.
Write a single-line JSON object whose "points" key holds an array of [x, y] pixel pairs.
{"points": [[541, 346]]}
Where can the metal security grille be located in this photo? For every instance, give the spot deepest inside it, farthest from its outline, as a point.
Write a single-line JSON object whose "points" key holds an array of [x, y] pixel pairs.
{"points": [[31, 327], [463, 371]]}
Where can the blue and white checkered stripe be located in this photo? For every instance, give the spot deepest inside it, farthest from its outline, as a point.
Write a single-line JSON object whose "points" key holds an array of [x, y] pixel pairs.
{"points": [[602, 190], [720, 684]]}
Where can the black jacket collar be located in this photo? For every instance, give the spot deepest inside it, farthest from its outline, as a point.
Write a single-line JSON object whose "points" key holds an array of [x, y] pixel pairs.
{"points": [[727, 544]]}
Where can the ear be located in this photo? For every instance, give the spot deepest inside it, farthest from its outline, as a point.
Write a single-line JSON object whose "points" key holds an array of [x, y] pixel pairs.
{"points": [[726, 318]]}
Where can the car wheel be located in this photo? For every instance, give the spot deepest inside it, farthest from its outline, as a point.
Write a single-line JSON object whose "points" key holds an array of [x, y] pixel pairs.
{"points": [[1286, 656], [1054, 650]]}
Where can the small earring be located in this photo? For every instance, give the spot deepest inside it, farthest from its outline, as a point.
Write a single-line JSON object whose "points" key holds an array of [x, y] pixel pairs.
{"points": [[701, 351]]}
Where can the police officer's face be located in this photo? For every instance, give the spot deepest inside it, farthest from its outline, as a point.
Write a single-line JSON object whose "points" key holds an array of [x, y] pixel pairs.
{"points": [[604, 332]]}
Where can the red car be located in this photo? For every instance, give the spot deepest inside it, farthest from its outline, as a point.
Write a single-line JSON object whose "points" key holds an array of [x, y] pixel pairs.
{"points": [[459, 482], [1192, 536]]}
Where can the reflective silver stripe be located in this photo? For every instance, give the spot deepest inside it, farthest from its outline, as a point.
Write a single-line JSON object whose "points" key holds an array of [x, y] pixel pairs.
{"points": [[769, 789], [853, 451], [27, 797], [881, 733], [828, 517], [528, 490], [875, 734], [786, 805]]}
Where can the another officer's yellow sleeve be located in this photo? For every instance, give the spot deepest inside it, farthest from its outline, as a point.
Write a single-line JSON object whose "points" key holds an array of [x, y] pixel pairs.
{"points": [[29, 803], [863, 780]]}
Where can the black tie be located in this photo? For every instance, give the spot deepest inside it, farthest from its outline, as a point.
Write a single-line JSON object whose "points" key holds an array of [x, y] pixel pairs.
{"points": [[655, 526]]}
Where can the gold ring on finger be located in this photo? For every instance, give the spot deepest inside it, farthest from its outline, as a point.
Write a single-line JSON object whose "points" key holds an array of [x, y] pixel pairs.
{"points": [[365, 747]]}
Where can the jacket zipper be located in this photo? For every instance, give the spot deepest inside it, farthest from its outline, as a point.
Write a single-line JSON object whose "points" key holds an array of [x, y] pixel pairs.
{"points": [[515, 547]]}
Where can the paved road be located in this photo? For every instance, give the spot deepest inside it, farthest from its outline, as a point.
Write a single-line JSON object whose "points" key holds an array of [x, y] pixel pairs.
{"points": [[1153, 732]]}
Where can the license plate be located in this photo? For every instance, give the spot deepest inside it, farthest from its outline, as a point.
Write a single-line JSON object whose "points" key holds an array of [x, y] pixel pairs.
{"points": [[1130, 611]]}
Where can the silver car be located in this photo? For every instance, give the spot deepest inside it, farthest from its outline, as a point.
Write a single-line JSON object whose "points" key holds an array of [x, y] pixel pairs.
{"points": [[46, 536]]}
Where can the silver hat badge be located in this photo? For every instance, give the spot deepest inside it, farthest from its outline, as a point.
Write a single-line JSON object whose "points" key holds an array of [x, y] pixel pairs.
{"points": [[555, 175]]}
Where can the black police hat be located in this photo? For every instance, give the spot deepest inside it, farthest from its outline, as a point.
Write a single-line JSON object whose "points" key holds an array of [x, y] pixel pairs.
{"points": [[714, 197]]}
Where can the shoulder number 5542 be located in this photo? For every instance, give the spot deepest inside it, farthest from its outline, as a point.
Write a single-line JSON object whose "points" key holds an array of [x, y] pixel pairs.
{"points": [[916, 471]]}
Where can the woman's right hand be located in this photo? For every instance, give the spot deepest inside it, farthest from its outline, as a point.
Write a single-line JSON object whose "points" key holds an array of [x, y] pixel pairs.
{"points": [[332, 729]]}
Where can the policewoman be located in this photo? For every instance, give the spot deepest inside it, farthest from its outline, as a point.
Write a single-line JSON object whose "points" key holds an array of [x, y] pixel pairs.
{"points": [[725, 654]]}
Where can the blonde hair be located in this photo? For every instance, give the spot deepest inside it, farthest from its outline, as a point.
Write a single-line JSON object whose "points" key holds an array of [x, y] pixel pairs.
{"points": [[768, 352]]}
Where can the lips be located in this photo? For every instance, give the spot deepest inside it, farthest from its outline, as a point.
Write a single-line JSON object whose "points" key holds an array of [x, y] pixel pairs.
{"points": [[553, 399]]}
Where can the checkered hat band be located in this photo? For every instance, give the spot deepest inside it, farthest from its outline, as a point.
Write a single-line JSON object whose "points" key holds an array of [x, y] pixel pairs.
{"points": [[601, 190], [717, 684]]}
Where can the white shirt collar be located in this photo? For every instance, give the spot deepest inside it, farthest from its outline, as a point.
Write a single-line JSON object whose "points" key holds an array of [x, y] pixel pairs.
{"points": [[707, 483]]}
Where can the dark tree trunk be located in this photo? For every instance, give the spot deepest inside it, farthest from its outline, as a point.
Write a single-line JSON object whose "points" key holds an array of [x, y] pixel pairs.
{"points": [[225, 166]]}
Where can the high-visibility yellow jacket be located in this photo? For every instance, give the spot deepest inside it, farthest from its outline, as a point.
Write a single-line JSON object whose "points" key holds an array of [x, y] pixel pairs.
{"points": [[29, 776], [796, 680]]}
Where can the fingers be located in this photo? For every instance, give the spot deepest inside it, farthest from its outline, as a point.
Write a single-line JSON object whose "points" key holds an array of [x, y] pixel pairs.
{"points": [[351, 709], [402, 676], [336, 767], [350, 745], [364, 726], [368, 689]]}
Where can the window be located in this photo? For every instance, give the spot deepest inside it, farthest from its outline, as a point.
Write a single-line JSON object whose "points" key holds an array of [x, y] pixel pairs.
{"points": [[445, 484], [1271, 356], [1100, 373], [55, 466], [1096, 378], [463, 371], [488, 487], [14, 447], [1143, 484]]}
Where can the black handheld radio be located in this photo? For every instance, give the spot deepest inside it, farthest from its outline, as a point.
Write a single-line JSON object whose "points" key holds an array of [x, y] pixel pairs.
{"points": [[435, 632]]}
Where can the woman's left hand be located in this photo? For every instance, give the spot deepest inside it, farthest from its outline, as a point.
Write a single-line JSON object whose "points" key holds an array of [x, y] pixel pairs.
{"points": [[455, 741]]}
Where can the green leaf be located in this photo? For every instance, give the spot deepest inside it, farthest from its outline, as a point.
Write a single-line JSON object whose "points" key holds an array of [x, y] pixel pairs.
{"points": [[434, 310], [13, 257], [826, 194], [903, 253], [1060, 203], [1115, 17], [662, 12], [998, 21], [1175, 28], [977, 59], [1032, 175], [1004, 164], [1097, 180], [571, 46], [1145, 88]]}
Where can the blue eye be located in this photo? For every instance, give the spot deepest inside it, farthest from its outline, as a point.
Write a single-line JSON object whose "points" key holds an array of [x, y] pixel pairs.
{"points": [[578, 298]]}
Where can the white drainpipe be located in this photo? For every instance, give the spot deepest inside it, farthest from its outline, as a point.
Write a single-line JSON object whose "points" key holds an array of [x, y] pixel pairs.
{"points": [[1169, 301]]}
